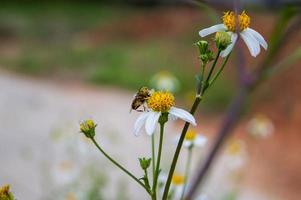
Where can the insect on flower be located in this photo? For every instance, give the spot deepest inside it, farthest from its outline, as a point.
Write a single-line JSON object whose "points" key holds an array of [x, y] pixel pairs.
{"points": [[140, 99], [158, 103], [233, 24]]}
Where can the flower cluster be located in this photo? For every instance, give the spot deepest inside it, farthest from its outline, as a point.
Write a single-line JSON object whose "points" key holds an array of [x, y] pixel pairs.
{"points": [[157, 107]]}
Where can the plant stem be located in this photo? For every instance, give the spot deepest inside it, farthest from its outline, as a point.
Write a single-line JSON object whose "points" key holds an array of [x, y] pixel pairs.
{"points": [[146, 179], [212, 69], [230, 120], [158, 161], [187, 169], [195, 105], [178, 149], [153, 156], [219, 71], [119, 166]]}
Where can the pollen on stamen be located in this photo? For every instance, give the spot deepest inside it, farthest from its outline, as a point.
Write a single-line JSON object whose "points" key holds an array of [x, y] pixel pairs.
{"points": [[161, 101], [230, 20]]}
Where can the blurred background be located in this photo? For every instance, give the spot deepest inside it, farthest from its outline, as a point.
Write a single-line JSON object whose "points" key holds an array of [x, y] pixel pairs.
{"points": [[63, 61]]}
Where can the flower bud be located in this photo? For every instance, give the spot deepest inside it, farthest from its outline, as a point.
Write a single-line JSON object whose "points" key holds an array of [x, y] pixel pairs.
{"points": [[145, 163], [206, 55], [5, 194], [203, 46], [87, 127], [222, 40]]}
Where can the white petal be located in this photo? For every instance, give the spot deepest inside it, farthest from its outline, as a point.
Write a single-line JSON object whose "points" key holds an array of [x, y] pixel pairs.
{"points": [[207, 31], [183, 114], [230, 46], [151, 122], [172, 117], [200, 141], [176, 139], [187, 143], [178, 192], [258, 37], [251, 42], [140, 122], [162, 178]]}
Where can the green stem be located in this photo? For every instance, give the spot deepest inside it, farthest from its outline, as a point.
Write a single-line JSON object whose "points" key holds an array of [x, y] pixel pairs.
{"points": [[202, 83], [196, 103], [153, 156], [119, 166], [212, 69], [187, 169], [146, 179], [219, 71], [158, 161]]}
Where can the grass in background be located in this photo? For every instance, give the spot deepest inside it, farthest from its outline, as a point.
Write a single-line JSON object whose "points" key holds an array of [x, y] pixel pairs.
{"points": [[78, 41]]}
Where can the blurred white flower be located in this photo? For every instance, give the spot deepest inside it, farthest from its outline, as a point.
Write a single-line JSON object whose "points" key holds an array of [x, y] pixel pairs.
{"points": [[193, 139], [202, 197], [65, 172], [235, 154], [166, 81], [260, 126], [176, 186]]}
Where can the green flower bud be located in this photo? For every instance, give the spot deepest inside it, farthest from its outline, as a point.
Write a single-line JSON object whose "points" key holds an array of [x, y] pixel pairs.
{"points": [[87, 127], [203, 46], [206, 55], [222, 40], [205, 58], [5, 194], [145, 163]]}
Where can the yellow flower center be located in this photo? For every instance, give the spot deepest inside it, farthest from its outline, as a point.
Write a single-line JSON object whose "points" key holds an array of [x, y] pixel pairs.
{"points": [[230, 21], [161, 101], [190, 135], [177, 179]]}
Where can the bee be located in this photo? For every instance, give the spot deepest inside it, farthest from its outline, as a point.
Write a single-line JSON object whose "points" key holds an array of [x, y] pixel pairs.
{"points": [[140, 98]]}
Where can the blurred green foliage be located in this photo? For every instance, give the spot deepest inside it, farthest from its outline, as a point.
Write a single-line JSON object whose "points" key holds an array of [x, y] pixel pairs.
{"points": [[79, 41]]}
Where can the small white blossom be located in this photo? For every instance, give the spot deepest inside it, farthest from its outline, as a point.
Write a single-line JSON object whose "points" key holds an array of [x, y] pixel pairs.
{"points": [[251, 37], [160, 102]]}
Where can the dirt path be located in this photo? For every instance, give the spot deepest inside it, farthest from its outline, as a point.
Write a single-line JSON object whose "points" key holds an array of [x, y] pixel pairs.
{"points": [[41, 151]]}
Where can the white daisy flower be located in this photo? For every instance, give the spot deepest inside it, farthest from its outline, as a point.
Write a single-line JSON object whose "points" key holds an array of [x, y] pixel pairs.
{"points": [[176, 186], [260, 126], [160, 102], [165, 80], [251, 37], [235, 154], [192, 138], [65, 172]]}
